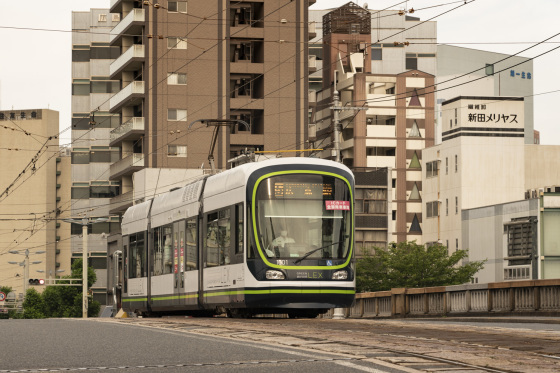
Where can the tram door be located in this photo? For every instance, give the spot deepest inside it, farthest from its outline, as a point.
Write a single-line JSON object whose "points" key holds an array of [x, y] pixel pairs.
{"points": [[179, 262]]}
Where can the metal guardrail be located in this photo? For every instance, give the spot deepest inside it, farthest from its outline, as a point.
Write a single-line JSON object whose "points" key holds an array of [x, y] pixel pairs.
{"points": [[535, 297]]}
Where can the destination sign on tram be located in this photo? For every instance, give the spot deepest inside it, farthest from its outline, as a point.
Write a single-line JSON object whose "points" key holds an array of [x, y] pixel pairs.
{"points": [[302, 190]]}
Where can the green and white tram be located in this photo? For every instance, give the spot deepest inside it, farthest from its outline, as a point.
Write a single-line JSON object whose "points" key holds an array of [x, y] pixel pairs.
{"points": [[266, 237]]}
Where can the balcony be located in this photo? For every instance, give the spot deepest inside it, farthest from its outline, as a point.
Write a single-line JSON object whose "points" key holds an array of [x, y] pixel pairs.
{"points": [[131, 130], [312, 30], [312, 64], [380, 161], [312, 132], [127, 166], [120, 203], [131, 95], [131, 60], [312, 97], [132, 24]]}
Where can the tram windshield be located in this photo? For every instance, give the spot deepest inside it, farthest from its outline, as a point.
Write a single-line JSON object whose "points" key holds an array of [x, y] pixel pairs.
{"points": [[304, 216]]}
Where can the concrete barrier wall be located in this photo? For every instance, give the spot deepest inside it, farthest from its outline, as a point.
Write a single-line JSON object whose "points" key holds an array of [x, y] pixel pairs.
{"points": [[537, 297]]}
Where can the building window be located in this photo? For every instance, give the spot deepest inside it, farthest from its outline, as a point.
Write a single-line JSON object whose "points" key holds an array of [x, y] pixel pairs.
{"points": [[176, 151], [176, 43], [521, 240], [394, 215], [176, 78], [489, 69], [456, 205], [176, 114], [80, 191], [105, 86], [432, 209], [431, 169], [456, 244], [376, 54], [80, 87], [80, 156], [446, 207], [455, 117], [446, 165], [411, 63], [456, 162], [414, 131], [177, 6], [371, 201]]}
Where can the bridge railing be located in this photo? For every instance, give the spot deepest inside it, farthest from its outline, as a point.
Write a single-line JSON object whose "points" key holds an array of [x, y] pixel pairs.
{"points": [[528, 297]]}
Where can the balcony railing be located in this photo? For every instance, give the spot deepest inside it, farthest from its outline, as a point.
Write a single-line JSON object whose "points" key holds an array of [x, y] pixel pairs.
{"points": [[128, 165], [134, 54], [312, 97], [312, 30], [135, 18], [312, 64], [120, 203], [381, 161], [133, 90], [133, 129]]}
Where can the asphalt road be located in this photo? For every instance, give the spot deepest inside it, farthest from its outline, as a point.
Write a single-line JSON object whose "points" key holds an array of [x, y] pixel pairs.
{"points": [[89, 345]]}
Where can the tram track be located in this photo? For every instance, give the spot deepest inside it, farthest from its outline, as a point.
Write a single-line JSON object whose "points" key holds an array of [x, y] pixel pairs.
{"points": [[402, 351]]}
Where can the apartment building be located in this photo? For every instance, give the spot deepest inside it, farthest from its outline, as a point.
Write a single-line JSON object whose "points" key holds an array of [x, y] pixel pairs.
{"points": [[189, 72], [92, 123], [185, 72], [32, 196], [386, 119]]}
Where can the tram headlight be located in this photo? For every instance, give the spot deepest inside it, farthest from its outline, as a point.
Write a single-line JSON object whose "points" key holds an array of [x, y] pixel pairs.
{"points": [[273, 274], [340, 275]]}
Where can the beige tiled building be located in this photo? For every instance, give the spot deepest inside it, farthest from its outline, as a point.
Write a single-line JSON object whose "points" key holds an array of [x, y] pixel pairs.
{"points": [[34, 178]]}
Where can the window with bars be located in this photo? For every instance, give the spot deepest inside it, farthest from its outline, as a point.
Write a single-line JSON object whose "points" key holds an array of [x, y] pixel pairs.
{"points": [[521, 236], [370, 201]]}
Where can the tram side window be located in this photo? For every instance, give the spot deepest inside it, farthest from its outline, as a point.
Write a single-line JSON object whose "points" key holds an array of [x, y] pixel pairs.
{"points": [[239, 219], [218, 238], [137, 257], [163, 251], [192, 251]]}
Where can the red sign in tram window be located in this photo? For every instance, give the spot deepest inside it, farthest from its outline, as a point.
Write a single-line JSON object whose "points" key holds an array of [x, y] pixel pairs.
{"points": [[337, 205]]}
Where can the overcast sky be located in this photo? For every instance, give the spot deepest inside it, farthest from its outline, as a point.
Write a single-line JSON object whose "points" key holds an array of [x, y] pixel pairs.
{"points": [[35, 66]]}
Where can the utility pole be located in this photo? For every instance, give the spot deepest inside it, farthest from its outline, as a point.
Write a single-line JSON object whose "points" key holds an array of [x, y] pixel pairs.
{"points": [[337, 108], [84, 222]]}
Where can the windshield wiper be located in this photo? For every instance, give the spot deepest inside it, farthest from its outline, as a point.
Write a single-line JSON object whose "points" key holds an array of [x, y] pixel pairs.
{"points": [[315, 250]]}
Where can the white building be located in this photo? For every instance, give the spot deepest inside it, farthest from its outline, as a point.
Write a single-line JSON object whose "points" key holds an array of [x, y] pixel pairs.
{"points": [[480, 162], [471, 72]]}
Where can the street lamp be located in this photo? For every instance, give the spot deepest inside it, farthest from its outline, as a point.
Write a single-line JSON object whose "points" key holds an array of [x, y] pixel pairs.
{"points": [[25, 264], [84, 222]]}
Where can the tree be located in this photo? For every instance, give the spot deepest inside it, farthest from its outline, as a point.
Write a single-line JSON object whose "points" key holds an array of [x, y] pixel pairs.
{"points": [[33, 305], [63, 301], [410, 265]]}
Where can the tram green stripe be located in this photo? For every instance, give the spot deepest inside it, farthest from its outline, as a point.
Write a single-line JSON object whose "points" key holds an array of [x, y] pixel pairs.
{"points": [[244, 292]]}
